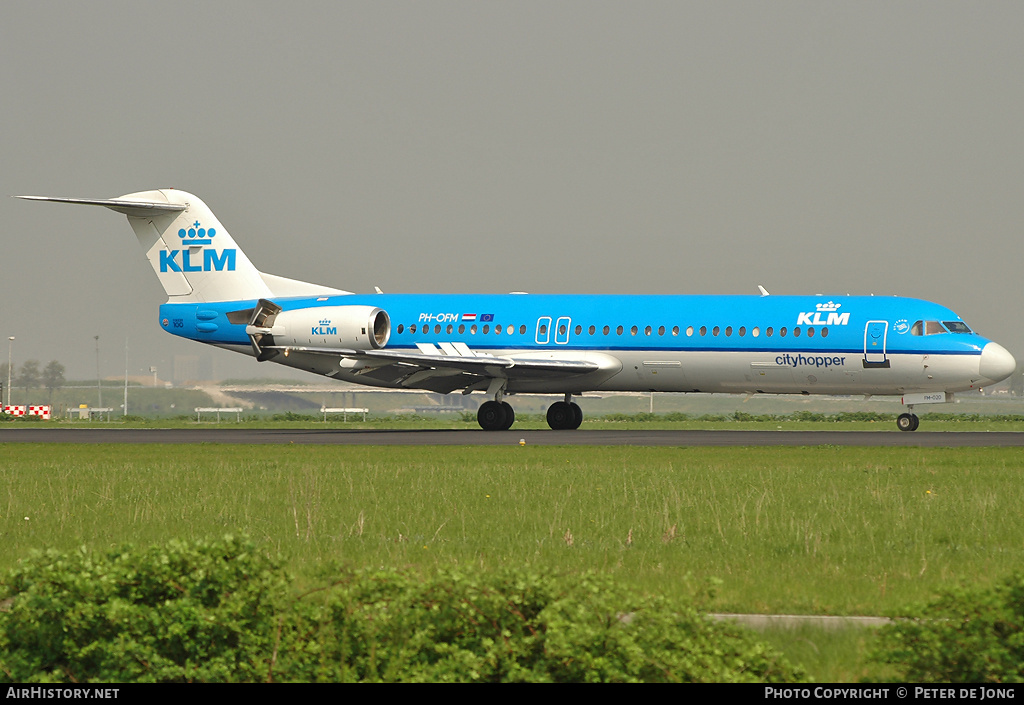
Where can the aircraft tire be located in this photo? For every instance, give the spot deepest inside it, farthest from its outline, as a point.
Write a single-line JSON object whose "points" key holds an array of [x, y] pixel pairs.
{"points": [[561, 416], [577, 416], [492, 416], [510, 416], [907, 422]]}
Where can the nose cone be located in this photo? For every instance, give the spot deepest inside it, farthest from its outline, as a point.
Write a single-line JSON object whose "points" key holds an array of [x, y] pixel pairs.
{"points": [[996, 362]]}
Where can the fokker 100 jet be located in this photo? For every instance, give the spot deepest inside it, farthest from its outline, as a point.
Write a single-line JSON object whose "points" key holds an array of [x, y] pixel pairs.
{"points": [[509, 344]]}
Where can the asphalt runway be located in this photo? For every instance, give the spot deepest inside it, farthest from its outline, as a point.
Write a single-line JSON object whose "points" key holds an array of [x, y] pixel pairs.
{"points": [[925, 439]]}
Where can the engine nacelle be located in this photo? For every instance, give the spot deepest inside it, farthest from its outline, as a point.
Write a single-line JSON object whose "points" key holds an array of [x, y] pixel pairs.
{"points": [[357, 327]]}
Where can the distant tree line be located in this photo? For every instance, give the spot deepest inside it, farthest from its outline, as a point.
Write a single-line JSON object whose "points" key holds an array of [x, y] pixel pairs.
{"points": [[29, 377]]}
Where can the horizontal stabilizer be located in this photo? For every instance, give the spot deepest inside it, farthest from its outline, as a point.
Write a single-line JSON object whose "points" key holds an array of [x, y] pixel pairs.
{"points": [[137, 209]]}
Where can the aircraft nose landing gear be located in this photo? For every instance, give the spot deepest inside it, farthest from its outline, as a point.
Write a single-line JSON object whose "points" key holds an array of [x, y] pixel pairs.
{"points": [[907, 422]]}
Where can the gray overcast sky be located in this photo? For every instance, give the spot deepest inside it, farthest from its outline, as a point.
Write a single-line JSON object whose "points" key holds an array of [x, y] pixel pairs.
{"points": [[620, 147]]}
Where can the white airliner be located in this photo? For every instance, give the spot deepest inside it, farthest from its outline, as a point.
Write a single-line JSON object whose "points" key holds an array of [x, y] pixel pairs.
{"points": [[551, 344]]}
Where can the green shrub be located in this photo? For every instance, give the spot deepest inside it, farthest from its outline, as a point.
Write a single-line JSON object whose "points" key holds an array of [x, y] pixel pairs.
{"points": [[222, 612], [455, 627], [675, 416], [293, 416], [845, 416], [966, 635], [179, 612]]}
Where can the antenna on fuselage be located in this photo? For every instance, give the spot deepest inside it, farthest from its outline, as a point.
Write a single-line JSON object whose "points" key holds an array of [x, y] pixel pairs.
{"points": [[764, 292]]}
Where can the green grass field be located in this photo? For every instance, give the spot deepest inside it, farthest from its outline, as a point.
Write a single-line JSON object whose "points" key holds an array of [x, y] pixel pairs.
{"points": [[822, 530]]}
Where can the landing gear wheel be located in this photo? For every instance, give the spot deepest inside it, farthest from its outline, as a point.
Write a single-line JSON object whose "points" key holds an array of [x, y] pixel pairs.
{"points": [[907, 422], [577, 414], [510, 416], [564, 416], [494, 416]]}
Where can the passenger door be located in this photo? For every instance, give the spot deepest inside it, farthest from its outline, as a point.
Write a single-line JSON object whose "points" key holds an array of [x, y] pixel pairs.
{"points": [[875, 333]]}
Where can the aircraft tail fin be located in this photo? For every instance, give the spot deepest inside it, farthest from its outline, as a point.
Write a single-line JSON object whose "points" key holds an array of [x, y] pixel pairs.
{"points": [[191, 252]]}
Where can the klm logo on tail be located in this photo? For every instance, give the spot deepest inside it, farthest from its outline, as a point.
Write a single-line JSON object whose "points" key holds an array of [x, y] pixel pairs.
{"points": [[212, 260]]}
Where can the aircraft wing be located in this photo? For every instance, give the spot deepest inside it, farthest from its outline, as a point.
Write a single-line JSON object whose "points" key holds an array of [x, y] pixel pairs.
{"points": [[487, 365], [452, 367]]}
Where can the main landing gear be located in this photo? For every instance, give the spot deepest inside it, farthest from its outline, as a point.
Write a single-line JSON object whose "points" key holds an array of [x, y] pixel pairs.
{"points": [[498, 415], [565, 415], [495, 416], [907, 422]]}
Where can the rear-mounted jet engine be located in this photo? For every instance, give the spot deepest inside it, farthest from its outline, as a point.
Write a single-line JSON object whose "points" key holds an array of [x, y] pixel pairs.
{"points": [[353, 327]]}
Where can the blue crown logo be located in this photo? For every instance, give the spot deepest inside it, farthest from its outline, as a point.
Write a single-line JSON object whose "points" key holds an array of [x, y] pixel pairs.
{"points": [[196, 235], [325, 321]]}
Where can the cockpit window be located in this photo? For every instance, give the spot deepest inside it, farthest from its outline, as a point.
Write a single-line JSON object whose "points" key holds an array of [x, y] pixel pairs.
{"points": [[930, 328], [957, 327]]}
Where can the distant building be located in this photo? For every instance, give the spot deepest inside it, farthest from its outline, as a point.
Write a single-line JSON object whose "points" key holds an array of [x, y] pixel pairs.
{"points": [[192, 369]]}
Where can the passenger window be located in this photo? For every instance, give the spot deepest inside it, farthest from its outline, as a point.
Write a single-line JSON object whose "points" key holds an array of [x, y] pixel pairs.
{"points": [[543, 329], [810, 332], [497, 330], [462, 329], [487, 329], [400, 327], [591, 330], [647, 330], [579, 329], [606, 330], [689, 331], [522, 330], [824, 332], [675, 330], [618, 330], [437, 329], [561, 329], [742, 331], [715, 331], [796, 332], [755, 331], [412, 328], [703, 331], [782, 331], [768, 331], [472, 329], [728, 331]]}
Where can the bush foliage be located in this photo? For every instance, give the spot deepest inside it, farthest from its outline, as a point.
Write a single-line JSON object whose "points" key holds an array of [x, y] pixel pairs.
{"points": [[966, 635], [177, 612], [224, 612]]}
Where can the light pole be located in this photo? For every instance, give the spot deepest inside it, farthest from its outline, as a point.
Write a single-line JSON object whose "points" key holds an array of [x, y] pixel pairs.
{"points": [[99, 387], [126, 375], [10, 344]]}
